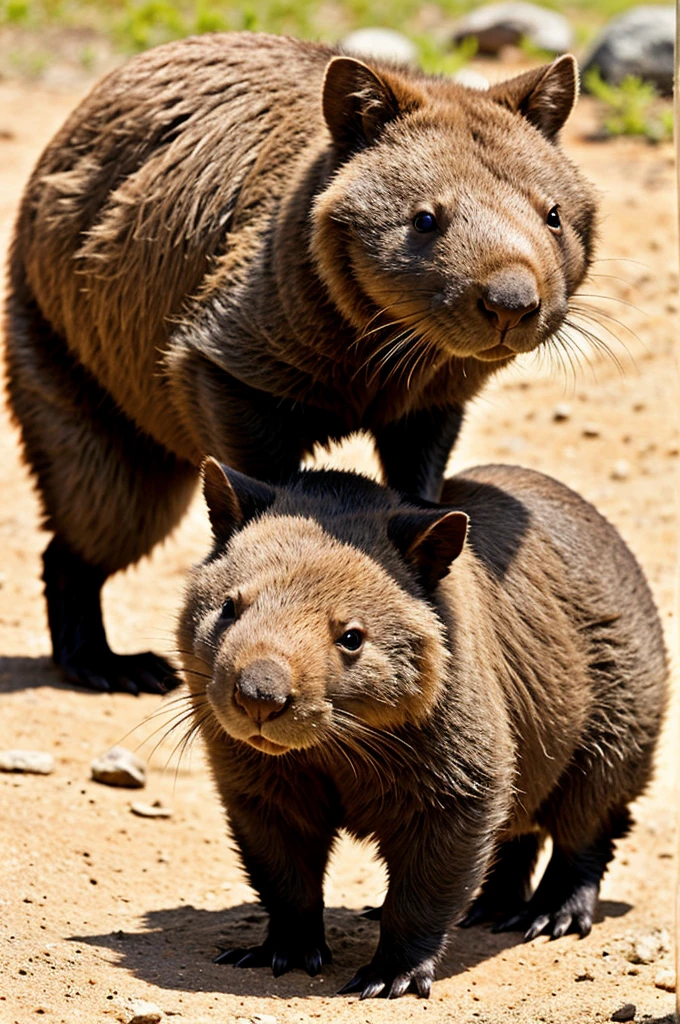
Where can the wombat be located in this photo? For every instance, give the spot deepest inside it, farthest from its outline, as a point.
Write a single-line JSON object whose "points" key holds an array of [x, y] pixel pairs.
{"points": [[241, 245], [353, 661]]}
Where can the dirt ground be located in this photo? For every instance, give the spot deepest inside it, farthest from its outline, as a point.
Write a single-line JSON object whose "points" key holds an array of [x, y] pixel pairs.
{"points": [[100, 906]]}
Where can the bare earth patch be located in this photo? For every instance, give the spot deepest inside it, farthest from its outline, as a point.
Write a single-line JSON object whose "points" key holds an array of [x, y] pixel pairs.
{"points": [[100, 906]]}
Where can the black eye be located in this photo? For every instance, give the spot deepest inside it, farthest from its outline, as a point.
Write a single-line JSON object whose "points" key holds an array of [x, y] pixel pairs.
{"points": [[553, 219], [228, 613], [351, 640], [425, 222]]}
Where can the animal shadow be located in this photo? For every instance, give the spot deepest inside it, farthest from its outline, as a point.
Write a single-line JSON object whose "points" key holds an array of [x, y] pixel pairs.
{"points": [[175, 949]]}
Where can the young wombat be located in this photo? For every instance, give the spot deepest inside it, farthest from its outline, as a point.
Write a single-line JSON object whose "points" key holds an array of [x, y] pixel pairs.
{"points": [[342, 676], [240, 245]]}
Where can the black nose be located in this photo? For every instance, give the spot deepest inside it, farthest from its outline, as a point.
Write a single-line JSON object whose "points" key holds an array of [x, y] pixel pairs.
{"points": [[263, 689], [510, 297]]}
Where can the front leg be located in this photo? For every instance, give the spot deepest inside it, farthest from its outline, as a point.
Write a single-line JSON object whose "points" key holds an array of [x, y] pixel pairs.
{"points": [[414, 450], [286, 862], [434, 869]]}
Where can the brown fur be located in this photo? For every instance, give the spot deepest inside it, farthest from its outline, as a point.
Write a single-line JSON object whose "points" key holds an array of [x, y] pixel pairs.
{"points": [[192, 233], [517, 696]]}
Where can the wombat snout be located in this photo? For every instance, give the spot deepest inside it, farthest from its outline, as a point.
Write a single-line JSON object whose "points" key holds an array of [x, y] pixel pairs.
{"points": [[263, 689], [510, 297]]}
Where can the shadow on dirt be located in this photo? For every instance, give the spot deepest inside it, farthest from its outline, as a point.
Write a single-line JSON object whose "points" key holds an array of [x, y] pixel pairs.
{"points": [[177, 947], [24, 673]]}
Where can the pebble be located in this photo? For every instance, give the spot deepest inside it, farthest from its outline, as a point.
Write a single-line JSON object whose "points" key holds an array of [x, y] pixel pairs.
{"points": [[119, 767], [380, 43], [638, 42], [665, 979], [33, 762], [154, 810], [627, 1012], [561, 412], [591, 430], [645, 949], [620, 470], [585, 976], [497, 25], [264, 1018], [471, 79]]}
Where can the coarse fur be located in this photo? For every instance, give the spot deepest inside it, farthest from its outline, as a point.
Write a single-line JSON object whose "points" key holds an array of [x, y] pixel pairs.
{"points": [[217, 254], [354, 661]]}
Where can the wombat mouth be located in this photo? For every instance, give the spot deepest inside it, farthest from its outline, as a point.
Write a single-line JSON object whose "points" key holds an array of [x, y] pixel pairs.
{"points": [[266, 746], [495, 352]]}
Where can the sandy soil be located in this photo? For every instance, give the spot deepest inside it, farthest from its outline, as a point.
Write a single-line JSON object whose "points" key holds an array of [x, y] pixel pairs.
{"points": [[99, 905]]}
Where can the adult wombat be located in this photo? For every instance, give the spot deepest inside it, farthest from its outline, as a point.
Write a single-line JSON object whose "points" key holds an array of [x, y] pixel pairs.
{"points": [[342, 677], [240, 245]]}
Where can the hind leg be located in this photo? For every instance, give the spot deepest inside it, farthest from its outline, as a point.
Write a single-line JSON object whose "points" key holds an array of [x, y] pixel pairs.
{"points": [[566, 897], [109, 493], [508, 884]]}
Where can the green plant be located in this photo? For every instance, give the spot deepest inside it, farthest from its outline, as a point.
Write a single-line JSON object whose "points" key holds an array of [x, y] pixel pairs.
{"points": [[632, 108], [434, 59]]}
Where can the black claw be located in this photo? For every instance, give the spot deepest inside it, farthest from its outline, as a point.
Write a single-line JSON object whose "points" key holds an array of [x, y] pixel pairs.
{"points": [[373, 989], [474, 915], [280, 964], [372, 913], [229, 956], [354, 985], [423, 987], [313, 963]]}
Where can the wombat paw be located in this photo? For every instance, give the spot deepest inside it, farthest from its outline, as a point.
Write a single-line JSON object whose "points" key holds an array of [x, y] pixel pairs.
{"points": [[573, 914], [124, 673], [281, 960], [375, 981]]}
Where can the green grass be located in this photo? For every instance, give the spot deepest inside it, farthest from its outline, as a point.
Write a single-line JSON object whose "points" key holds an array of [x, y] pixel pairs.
{"points": [[134, 25], [631, 108]]}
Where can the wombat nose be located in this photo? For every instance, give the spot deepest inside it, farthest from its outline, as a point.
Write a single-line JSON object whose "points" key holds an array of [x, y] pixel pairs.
{"points": [[263, 689], [510, 297]]}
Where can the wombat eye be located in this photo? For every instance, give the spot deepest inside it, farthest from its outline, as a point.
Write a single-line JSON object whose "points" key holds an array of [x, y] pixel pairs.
{"points": [[553, 219], [228, 613], [351, 640], [425, 222]]}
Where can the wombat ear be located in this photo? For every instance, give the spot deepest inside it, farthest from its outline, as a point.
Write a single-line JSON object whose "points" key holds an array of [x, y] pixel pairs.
{"points": [[357, 102], [430, 540], [545, 96], [232, 498]]}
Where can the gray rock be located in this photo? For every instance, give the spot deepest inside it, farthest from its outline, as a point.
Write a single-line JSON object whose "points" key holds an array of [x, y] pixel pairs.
{"points": [[381, 43], [471, 79], [639, 42], [119, 767], [33, 762], [504, 24]]}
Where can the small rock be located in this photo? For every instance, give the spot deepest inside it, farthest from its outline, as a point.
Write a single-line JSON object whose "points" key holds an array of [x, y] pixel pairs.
{"points": [[264, 1018], [627, 1012], [645, 949], [639, 42], [154, 810], [561, 412], [470, 79], [33, 762], [138, 1011], [119, 767], [620, 470], [591, 430], [585, 976], [505, 24], [665, 979], [381, 43]]}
